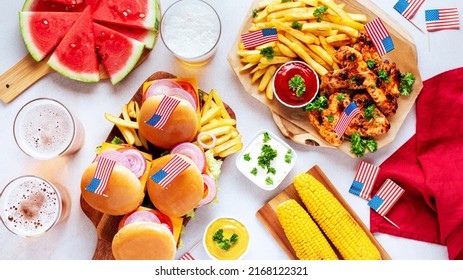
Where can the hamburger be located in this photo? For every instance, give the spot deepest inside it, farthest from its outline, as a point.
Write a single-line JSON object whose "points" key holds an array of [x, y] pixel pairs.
{"points": [[125, 188], [181, 195], [146, 234], [182, 123]]}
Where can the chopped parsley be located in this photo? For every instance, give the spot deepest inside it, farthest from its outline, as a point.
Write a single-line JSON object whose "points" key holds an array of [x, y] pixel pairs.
{"points": [[406, 84], [360, 145], [288, 156], [382, 74], [266, 137], [224, 243], [247, 157], [370, 112], [254, 13], [269, 181], [371, 64], [254, 171], [267, 52], [330, 119], [266, 156], [272, 170], [319, 12], [297, 84], [116, 140], [340, 97], [321, 103], [296, 25]]}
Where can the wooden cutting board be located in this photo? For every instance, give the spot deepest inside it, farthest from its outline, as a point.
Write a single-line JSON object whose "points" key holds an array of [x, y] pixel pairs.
{"points": [[267, 214], [28, 71], [107, 225]]}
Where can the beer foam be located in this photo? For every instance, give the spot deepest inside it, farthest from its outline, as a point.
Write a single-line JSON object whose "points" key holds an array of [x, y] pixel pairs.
{"points": [[44, 129], [29, 206]]}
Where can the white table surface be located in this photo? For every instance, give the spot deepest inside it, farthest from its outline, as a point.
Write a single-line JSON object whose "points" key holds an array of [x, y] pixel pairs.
{"points": [[76, 238]]}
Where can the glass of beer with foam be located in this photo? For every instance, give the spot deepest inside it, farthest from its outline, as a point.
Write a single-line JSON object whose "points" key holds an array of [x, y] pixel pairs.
{"points": [[31, 206], [45, 129]]}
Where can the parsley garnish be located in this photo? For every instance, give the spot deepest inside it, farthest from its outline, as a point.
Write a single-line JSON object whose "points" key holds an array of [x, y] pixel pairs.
{"points": [[288, 156], [269, 181], [330, 119], [321, 103], [267, 52], [370, 112], [224, 244], [247, 157], [284, 1], [266, 156], [340, 97], [272, 170], [360, 145], [116, 140], [319, 12], [371, 63], [406, 84], [296, 25], [297, 84], [266, 137], [254, 171], [254, 13], [382, 74]]}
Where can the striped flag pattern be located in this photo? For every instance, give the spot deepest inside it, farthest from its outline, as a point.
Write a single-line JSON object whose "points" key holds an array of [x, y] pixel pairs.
{"points": [[408, 8], [364, 179], [380, 36], [170, 171], [187, 257], [99, 182], [259, 37], [163, 112], [441, 19], [346, 117], [386, 197]]}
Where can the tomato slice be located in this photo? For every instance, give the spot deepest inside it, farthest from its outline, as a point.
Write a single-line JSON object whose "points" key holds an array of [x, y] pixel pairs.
{"points": [[190, 89]]}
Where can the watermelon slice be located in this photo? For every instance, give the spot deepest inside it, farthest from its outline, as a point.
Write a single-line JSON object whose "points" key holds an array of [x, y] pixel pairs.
{"points": [[134, 13], [75, 55], [119, 54], [53, 6], [147, 37], [42, 31], [66, 2]]}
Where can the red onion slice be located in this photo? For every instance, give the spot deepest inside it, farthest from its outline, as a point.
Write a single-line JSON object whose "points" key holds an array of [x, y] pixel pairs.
{"points": [[204, 145], [183, 94], [193, 152], [114, 155], [137, 162], [210, 185], [142, 216], [160, 87]]}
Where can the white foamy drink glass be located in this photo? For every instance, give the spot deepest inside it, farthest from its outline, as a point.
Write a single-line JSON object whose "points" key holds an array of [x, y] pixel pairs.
{"points": [[191, 30], [31, 206], [45, 129]]}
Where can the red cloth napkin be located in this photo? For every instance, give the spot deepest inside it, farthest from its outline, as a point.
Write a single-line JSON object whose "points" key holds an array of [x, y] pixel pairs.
{"points": [[429, 166]]}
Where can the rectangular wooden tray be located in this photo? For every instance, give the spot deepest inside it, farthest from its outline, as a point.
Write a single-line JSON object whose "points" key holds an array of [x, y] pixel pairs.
{"points": [[267, 214]]}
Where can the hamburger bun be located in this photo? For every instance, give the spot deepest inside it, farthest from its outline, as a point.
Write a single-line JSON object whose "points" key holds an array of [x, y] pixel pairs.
{"points": [[144, 241], [182, 125], [181, 195], [124, 191]]}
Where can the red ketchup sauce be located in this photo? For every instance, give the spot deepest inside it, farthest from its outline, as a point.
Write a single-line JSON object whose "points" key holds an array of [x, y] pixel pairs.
{"points": [[281, 83]]}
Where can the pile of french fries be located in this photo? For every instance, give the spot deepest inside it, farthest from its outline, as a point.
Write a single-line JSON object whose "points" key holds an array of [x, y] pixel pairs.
{"points": [[128, 124], [215, 120], [308, 30]]}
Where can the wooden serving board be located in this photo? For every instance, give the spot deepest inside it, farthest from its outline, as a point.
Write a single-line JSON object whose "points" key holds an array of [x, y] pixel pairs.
{"points": [[28, 71], [107, 225], [267, 214]]}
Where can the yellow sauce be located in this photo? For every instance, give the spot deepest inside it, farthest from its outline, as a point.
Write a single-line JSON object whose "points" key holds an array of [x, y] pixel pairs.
{"points": [[229, 227]]}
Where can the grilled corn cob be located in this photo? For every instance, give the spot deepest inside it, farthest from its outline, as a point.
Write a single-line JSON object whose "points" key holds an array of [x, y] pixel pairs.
{"points": [[335, 221], [305, 237]]}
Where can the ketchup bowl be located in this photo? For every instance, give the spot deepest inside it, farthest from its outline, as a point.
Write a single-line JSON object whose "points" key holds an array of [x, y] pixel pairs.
{"points": [[295, 84]]}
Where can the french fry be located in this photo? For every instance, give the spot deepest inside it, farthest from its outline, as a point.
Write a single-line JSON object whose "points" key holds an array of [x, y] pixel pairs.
{"points": [[269, 91], [281, 14], [267, 78], [333, 6], [210, 114], [231, 150], [294, 32], [286, 51], [258, 74], [320, 51], [121, 122], [316, 26], [284, 6], [275, 60], [217, 123], [329, 49], [220, 148]]}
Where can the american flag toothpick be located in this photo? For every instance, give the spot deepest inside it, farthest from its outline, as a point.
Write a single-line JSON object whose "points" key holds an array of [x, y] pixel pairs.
{"points": [[163, 112], [408, 8], [188, 256], [346, 117], [387, 195], [170, 171], [259, 37], [364, 180], [380, 36]]}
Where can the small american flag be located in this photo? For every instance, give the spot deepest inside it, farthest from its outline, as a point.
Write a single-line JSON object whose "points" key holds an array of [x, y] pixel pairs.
{"points": [[346, 117], [99, 182], [380, 36], [259, 37], [386, 197], [364, 179], [408, 8], [163, 112], [170, 171], [441, 19]]}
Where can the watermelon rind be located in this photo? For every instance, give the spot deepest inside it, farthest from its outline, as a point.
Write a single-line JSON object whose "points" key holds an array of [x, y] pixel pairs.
{"points": [[111, 52], [54, 26], [79, 46]]}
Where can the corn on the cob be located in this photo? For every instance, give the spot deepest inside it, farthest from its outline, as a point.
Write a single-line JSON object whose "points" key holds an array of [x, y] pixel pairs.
{"points": [[335, 221], [305, 237]]}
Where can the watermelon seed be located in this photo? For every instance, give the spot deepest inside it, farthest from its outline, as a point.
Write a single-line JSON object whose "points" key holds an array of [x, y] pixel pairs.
{"points": [[45, 22], [125, 13], [142, 15], [73, 45]]}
